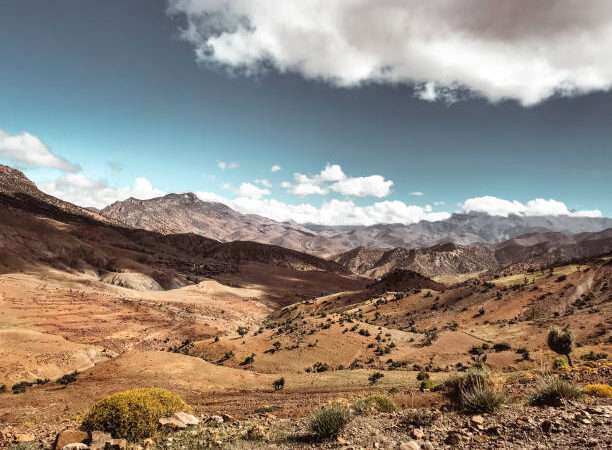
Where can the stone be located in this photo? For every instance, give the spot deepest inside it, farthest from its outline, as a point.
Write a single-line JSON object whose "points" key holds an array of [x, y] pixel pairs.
{"points": [[417, 433], [477, 420], [99, 437], [172, 423], [453, 438], [116, 444], [187, 419], [70, 437], [216, 419], [410, 445], [427, 446], [148, 443], [546, 426], [75, 446]]}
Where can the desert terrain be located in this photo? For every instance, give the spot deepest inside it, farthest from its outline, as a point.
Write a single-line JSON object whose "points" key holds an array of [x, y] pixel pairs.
{"points": [[218, 323]]}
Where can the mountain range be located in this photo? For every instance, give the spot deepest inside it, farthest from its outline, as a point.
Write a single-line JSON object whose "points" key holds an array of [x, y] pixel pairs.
{"points": [[186, 213]]}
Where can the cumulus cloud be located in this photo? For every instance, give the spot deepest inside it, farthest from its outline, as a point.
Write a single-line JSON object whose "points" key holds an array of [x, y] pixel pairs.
{"points": [[275, 168], [538, 207], [333, 178], [224, 165], [28, 150], [264, 182], [332, 212], [509, 49], [81, 190], [250, 191]]}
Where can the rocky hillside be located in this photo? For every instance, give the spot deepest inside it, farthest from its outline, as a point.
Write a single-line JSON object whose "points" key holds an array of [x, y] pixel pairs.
{"points": [[41, 231], [186, 213]]}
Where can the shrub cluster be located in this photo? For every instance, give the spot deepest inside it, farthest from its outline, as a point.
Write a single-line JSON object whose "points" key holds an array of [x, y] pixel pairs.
{"points": [[133, 414], [473, 392], [551, 390], [329, 421], [374, 403]]}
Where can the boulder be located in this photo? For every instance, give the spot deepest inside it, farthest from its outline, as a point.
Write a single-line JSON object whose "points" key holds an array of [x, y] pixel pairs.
{"points": [[172, 423], [70, 437], [187, 419]]}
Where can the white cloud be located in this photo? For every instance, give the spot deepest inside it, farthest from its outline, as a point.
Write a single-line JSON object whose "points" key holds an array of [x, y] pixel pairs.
{"points": [[334, 212], [417, 194], [30, 151], [81, 190], [275, 168], [537, 207], [333, 178], [372, 186], [224, 165], [522, 49], [250, 191]]}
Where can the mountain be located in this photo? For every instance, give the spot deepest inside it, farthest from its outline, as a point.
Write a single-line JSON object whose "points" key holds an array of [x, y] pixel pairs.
{"points": [[41, 232], [441, 259], [185, 213], [532, 250]]}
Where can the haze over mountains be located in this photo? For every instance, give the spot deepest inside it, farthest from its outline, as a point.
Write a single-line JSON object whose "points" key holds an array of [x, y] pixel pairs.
{"points": [[185, 213]]}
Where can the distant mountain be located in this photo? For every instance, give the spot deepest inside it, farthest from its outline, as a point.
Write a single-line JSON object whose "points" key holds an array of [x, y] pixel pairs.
{"points": [[442, 259], [185, 213], [533, 250]]}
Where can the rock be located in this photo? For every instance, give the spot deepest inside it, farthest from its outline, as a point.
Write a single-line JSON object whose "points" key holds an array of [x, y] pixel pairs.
{"points": [[417, 433], [172, 423], [187, 419], [410, 445], [256, 433], [427, 446], [148, 443], [70, 437], [216, 419], [477, 420], [99, 437], [453, 438], [116, 444], [546, 426], [75, 446]]}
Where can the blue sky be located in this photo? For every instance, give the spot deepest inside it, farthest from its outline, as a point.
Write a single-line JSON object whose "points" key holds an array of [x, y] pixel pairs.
{"points": [[114, 88]]}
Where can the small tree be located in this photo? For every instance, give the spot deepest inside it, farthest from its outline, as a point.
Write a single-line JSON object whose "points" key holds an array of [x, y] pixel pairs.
{"points": [[242, 331], [561, 342], [279, 384], [375, 377]]}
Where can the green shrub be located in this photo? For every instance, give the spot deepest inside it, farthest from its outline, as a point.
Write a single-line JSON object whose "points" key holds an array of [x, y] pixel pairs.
{"points": [[330, 421], [560, 363], [133, 414], [374, 403], [279, 384], [422, 376], [481, 398], [501, 347], [375, 377], [551, 390], [473, 391]]}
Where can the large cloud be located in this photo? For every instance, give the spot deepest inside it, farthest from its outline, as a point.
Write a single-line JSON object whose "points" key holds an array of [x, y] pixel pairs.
{"points": [[28, 150], [332, 212], [517, 49], [79, 189], [537, 207], [333, 178]]}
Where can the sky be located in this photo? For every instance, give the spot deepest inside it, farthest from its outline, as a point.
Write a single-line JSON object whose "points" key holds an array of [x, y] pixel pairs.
{"points": [[347, 112]]}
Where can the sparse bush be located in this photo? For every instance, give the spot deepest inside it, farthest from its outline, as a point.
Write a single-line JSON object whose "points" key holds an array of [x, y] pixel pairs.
{"points": [[248, 360], [473, 392], [598, 390], [378, 403], [419, 418], [279, 384], [427, 385], [551, 390], [133, 414], [502, 347], [481, 397], [422, 376], [242, 331], [561, 342], [69, 378], [375, 377], [329, 421]]}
